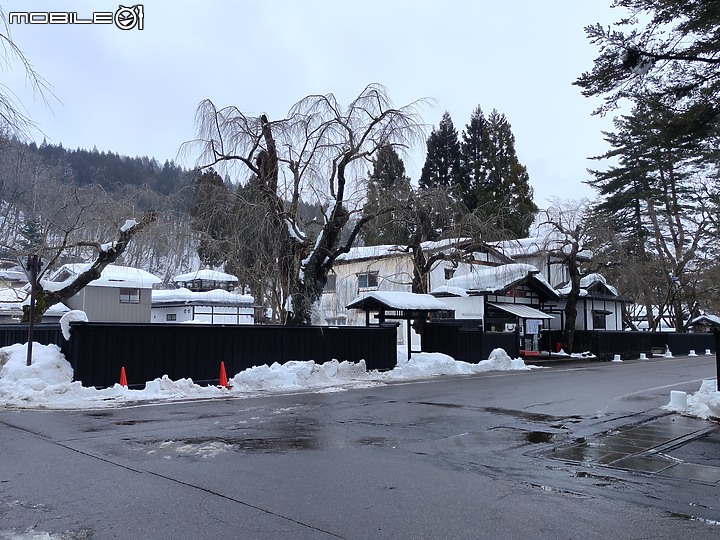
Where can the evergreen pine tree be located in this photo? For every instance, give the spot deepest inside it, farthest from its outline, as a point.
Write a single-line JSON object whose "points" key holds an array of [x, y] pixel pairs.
{"points": [[442, 162], [388, 189], [442, 169], [210, 217], [504, 187], [475, 156], [661, 200], [32, 235]]}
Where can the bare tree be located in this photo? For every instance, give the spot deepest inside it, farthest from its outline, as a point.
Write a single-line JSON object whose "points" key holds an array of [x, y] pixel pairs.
{"points": [[567, 236], [107, 253], [315, 152], [12, 118]]}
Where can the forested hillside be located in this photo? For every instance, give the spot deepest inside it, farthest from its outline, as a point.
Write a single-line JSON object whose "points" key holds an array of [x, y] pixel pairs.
{"points": [[78, 199]]}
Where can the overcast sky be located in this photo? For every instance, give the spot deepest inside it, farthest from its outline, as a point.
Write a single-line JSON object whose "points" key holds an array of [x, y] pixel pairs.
{"points": [[135, 92]]}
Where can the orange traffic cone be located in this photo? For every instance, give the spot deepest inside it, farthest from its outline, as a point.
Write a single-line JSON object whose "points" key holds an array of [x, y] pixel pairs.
{"points": [[223, 376], [123, 377]]}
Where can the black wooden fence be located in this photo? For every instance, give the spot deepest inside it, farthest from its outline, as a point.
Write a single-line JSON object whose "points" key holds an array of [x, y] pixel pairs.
{"points": [[467, 343], [45, 334], [717, 357], [607, 343], [98, 351]]}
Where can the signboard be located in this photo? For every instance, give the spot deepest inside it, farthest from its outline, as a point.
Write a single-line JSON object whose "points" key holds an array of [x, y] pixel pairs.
{"points": [[27, 263]]}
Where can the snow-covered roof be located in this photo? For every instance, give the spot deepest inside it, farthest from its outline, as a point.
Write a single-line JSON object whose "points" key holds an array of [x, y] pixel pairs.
{"points": [[399, 300], [15, 308], [704, 319], [444, 290], [112, 276], [528, 247], [439, 245], [591, 279], [378, 252], [587, 282], [495, 279], [12, 301], [13, 275], [10, 294], [210, 275], [371, 252], [185, 296]]}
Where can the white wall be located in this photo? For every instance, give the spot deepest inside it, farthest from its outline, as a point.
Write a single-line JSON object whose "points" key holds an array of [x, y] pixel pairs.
{"points": [[182, 314], [210, 314], [584, 320], [395, 273], [466, 307]]}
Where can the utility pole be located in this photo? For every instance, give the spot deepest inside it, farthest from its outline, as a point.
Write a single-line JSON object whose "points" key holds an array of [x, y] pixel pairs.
{"points": [[33, 269]]}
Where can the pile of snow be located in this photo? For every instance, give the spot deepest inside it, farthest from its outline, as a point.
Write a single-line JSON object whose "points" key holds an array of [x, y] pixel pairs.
{"points": [[562, 354], [48, 367], [74, 315], [424, 365], [296, 375], [48, 382], [705, 403]]}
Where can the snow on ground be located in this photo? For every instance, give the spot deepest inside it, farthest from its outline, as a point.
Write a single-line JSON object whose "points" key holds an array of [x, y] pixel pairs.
{"points": [[705, 403], [48, 383]]}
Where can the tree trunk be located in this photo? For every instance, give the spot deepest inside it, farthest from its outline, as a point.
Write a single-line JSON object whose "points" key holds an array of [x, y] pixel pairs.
{"points": [[44, 300], [679, 319], [572, 299]]}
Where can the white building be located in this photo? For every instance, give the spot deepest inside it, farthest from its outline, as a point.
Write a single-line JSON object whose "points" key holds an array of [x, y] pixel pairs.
{"points": [[213, 307], [206, 280], [121, 294], [390, 268], [598, 308], [502, 299], [538, 252], [506, 284]]}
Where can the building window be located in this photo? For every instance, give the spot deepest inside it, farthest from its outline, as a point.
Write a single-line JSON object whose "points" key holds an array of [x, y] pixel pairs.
{"points": [[598, 318], [129, 296], [330, 286], [449, 273], [171, 317], [64, 275], [368, 280]]}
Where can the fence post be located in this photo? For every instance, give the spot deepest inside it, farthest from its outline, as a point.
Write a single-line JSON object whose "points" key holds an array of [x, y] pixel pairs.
{"points": [[717, 357]]}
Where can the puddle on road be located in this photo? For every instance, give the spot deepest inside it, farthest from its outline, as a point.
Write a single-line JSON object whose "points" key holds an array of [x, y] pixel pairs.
{"points": [[660, 447], [523, 415], [537, 437], [372, 441], [212, 446], [131, 422]]}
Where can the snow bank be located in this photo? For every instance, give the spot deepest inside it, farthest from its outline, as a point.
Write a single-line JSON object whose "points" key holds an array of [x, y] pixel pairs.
{"points": [[300, 376], [48, 382], [705, 403], [46, 369], [423, 365]]}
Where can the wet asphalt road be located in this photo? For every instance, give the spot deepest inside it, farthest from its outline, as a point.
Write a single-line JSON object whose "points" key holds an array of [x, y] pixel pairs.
{"points": [[471, 457]]}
